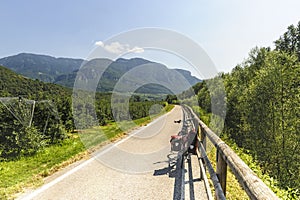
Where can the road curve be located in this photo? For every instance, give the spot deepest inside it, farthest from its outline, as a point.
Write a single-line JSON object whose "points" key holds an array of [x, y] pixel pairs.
{"points": [[137, 167]]}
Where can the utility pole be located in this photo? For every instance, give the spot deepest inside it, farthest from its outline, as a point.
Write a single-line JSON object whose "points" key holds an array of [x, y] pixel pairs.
{"points": [[33, 106]]}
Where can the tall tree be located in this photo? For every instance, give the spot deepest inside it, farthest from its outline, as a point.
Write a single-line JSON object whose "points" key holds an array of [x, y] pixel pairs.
{"points": [[290, 40]]}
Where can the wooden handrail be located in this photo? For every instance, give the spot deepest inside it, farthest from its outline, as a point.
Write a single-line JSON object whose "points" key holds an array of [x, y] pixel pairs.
{"points": [[254, 186]]}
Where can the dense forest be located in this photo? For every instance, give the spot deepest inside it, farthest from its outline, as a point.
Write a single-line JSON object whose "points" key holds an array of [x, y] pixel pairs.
{"points": [[34, 114], [263, 107]]}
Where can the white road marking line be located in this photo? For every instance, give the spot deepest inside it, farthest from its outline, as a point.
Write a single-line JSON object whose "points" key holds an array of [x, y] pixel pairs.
{"points": [[57, 180], [60, 178]]}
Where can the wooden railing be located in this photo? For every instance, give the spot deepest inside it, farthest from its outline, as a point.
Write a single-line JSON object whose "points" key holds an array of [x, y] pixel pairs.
{"points": [[254, 186]]}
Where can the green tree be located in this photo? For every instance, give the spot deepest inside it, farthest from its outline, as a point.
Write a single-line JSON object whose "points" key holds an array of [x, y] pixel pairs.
{"points": [[290, 41], [16, 139], [171, 98]]}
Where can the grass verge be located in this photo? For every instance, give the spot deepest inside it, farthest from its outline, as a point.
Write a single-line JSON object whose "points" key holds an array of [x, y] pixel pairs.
{"points": [[233, 189], [29, 172]]}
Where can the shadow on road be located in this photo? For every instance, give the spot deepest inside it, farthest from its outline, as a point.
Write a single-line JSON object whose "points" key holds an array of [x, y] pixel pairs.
{"points": [[176, 169], [172, 159]]}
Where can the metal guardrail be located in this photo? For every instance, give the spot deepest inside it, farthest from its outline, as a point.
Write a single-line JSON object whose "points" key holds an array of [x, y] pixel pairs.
{"points": [[254, 186]]}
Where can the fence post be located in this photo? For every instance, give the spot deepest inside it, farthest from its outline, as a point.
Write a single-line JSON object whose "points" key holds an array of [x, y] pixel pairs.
{"points": [[221, 171], [203, 137]]}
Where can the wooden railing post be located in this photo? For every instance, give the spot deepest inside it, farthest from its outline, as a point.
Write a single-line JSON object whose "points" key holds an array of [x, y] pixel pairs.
{"points": [[197, 135], [203, 137], [221, 171]]}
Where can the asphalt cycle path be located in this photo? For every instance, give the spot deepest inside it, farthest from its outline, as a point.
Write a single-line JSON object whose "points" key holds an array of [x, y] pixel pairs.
{"points": [[140, 166]]}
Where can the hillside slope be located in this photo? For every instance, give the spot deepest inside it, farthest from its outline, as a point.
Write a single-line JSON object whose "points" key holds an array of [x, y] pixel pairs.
{"points": [[13, 84]]}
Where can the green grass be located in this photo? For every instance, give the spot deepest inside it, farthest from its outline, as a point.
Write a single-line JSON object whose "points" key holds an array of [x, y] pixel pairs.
{"points": [[233, 189], [28, 172]]}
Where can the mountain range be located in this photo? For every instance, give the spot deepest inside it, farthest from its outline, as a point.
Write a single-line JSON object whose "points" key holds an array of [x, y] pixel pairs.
{"points": [[63, 71]]}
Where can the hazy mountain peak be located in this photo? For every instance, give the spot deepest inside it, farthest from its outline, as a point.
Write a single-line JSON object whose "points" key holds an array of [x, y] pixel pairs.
{"points": [[63, 71]]}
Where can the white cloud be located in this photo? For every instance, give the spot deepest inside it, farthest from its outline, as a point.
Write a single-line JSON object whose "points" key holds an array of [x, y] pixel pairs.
{"points": [[137, 50], [99, 43], [117, 48]]}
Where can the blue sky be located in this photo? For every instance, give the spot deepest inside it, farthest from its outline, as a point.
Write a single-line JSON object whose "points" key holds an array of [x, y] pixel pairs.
{"points": [[226, 30]]}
